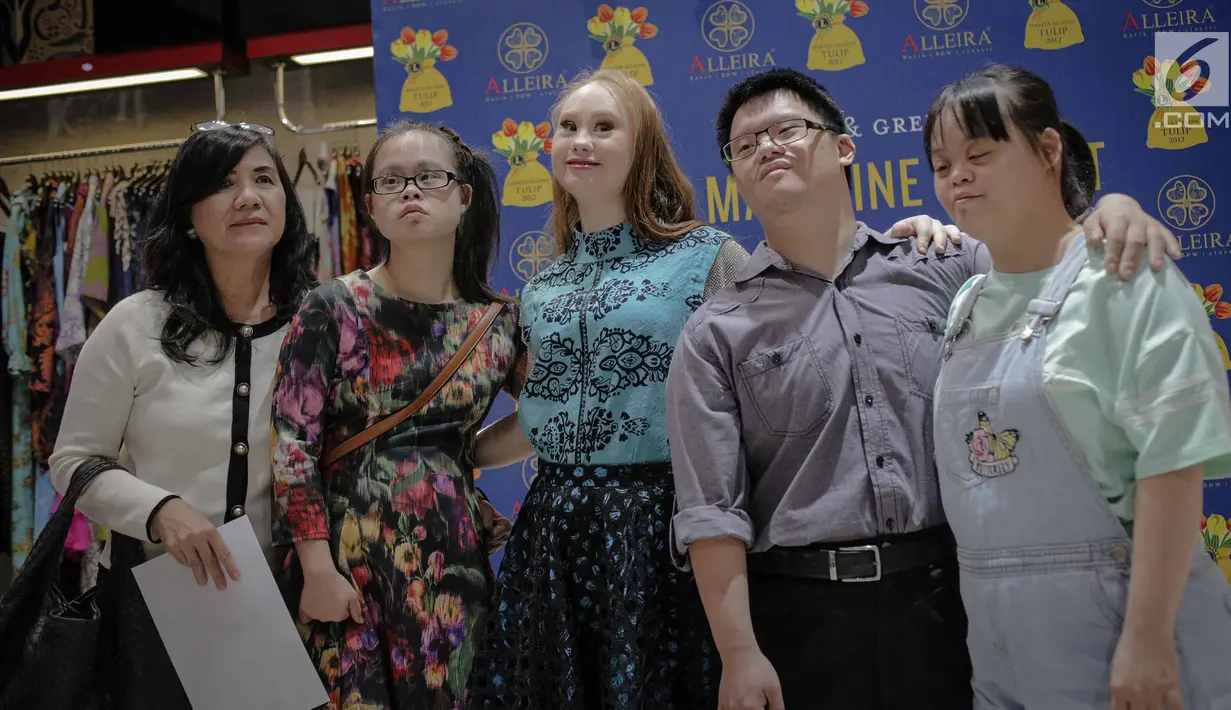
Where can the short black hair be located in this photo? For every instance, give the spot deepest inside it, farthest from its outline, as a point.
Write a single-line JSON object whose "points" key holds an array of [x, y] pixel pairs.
{"points": [[986, 101], [809, 90], [175, 262]]}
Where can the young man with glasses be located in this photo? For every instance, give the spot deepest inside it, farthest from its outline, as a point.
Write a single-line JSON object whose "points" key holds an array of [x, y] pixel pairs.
{"points": [[799, 410]]}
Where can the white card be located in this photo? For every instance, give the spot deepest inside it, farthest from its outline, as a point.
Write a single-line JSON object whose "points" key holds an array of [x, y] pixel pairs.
{"points": [[236, 647]]}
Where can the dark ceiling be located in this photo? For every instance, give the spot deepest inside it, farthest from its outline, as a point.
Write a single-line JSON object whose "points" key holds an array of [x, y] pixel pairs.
{"points": [[173, 22]]}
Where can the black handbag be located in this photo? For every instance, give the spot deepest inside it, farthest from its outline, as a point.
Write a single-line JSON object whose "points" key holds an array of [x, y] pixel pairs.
{"points": [[98, 651]]}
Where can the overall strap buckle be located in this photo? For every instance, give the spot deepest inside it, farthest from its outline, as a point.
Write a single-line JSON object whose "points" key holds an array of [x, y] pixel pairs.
{"points": [[1041, 311]]}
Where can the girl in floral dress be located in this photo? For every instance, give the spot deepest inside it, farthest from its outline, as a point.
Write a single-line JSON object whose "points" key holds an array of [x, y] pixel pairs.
{"points": [[395, 579]]}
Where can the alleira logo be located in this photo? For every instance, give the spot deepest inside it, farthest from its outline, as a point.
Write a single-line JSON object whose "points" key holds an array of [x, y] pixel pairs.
{"points": [[523, 48], [1168, 15], [943, 18], [728, 27]]}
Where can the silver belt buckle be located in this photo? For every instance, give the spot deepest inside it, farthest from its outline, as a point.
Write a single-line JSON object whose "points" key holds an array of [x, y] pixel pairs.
{"points": [[833, 563]]}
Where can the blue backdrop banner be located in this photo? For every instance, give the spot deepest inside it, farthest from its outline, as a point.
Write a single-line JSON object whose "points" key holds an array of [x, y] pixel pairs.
{"points": [[492, 68]]}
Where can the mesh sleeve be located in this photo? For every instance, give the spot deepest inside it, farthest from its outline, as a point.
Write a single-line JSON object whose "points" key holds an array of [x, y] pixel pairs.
{"points": [[730, 262]]}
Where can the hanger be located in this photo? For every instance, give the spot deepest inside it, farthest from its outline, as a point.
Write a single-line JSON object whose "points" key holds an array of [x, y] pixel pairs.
{"points": [[159, 174], [305, 163]]}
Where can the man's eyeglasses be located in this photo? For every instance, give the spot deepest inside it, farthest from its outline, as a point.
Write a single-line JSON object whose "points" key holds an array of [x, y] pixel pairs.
{"points": [[426, 180], [781, 133], [215, 125]]}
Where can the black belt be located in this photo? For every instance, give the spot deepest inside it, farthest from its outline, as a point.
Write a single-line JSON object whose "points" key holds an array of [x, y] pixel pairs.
{"points": [[856, 562]]}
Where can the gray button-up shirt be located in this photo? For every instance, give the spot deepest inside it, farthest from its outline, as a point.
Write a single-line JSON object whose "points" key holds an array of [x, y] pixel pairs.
{"points": [[800, 408]]}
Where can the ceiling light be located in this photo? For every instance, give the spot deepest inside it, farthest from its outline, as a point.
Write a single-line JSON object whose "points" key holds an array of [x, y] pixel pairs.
{"points": [[111, 82], [337, 55]]}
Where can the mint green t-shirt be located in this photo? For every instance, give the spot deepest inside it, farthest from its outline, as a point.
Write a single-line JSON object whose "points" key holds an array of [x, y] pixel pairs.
{"points": [[1131, 369]]}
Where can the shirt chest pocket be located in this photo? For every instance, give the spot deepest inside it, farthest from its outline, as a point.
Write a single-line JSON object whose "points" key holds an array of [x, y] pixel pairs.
{"points": [[920, 338], [787, 388]]}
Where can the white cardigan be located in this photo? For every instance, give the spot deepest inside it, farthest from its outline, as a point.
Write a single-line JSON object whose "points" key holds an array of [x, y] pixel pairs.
{"points": [[182, 428]]}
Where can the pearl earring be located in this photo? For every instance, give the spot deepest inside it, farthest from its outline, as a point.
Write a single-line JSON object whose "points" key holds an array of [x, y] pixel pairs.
{"points": [[192, 233]]}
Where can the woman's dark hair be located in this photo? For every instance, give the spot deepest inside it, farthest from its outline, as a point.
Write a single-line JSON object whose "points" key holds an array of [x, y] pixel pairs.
{"points": [[478, 233], [986, 101], [175, 262]]}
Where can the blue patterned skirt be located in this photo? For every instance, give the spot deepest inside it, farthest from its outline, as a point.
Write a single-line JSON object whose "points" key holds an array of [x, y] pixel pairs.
{"points": [[589, 611]]}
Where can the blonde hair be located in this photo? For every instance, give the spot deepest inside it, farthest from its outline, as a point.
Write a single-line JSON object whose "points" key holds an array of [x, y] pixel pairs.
{"points": [[658, 198]]}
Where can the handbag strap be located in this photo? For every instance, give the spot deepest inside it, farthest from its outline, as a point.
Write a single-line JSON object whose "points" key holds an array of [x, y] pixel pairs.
{"points": [[424, 397], [32, 587]]}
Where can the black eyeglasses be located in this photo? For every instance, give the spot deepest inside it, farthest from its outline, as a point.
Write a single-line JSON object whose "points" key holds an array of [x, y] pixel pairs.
{"points": [[781, 133], [426, 180], [215, 125]]}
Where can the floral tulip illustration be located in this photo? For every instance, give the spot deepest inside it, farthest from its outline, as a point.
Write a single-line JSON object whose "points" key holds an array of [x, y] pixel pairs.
{"points": [[1174, 125], [425, 89], [1052, 25], [834, 46], [528, 183], [1211, 300], [617, 29]]}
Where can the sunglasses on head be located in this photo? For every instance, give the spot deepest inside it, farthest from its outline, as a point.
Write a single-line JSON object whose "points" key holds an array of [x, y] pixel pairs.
{"points": [[215, 125]]}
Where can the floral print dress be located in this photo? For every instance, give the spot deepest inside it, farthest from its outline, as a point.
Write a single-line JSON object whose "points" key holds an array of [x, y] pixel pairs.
{"points": [[400, 513]]}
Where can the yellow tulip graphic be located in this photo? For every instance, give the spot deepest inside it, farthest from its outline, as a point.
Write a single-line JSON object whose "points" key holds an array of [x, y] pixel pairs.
{"points": [[834, 46], [1217, 542], [425, 89], [528, 183], [1052, 25], [1170, 127], [617, 30]]}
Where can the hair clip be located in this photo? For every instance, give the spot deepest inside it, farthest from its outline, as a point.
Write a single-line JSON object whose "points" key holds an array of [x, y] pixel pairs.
{"points": [[457, 138]]}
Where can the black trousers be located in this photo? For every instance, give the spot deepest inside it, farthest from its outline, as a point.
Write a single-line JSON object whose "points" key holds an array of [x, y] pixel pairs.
{"points": [[888, 645]]}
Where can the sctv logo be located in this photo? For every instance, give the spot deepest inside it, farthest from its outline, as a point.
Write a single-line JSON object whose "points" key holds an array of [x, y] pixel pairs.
{"points": [[1195, 71]]}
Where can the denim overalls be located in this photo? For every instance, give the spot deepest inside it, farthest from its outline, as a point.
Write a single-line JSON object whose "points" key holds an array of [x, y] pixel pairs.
{"points": [[1044, 560]]}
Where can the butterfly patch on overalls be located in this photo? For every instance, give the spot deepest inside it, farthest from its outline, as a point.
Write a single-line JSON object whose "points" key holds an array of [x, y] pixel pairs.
{"points": [[991, 453]]}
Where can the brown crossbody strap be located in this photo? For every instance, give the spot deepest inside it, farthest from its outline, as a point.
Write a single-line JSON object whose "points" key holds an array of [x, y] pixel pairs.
{"points": [[424, 397]]}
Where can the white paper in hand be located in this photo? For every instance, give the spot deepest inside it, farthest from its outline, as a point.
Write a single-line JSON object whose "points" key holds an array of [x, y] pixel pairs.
{"points": [[236, 647]]}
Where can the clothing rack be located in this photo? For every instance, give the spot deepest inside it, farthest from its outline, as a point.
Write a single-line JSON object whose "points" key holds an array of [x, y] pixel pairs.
{"points": [[280, 104], [220, 107]]}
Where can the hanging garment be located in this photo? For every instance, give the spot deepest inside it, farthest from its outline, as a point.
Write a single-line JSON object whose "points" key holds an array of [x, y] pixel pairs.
{"points": [[73, 325], [96, 283], [44, 323], [14, 315], [334, 212], [6, 450], [349, 227]]}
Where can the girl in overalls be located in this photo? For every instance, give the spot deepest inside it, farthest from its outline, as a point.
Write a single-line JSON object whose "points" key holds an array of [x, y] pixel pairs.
{"points": [[1075, 418]]}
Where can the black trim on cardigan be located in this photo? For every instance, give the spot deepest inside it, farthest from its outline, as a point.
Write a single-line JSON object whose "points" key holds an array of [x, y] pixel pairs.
{"points": [[241, 406], [149, 522], [241, 396]]}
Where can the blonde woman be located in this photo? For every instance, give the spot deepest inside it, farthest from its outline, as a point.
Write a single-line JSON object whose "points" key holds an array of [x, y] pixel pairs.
{"points": [[590, 612]]}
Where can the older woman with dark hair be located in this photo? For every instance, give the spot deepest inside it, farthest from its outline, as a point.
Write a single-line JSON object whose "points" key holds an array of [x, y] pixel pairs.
{"points": [[180, 375]]}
